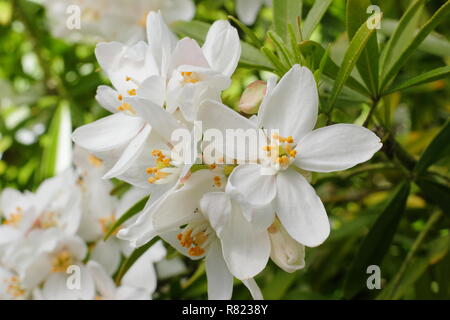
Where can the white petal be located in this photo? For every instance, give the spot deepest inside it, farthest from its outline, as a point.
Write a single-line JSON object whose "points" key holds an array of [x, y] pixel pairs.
{"points": [[130, 153], [222, 47], [250, 186], [108, 133], [292, 106], [300, 210], [287, 253], [179, 10], [142, 274], [188, 52], [154, 89], [247, 10], [107, 253], [217, 207], [161, 41], [108, 98], [220, 280], [245, 248], [159, 119], [336, 147], [103, 281], [254, 289]]}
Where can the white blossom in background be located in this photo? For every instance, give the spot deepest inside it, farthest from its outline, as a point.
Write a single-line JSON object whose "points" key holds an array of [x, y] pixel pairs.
{"points": [[247, 10], [111, 20]]}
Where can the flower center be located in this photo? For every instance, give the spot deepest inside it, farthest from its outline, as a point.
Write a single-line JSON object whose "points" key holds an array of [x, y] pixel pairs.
{"points": [[47, 220], [189, 77], [107, 223], [164, 168], [14, 288], [281, 152], [94, 161], [196, 237], [15, 218], [62, 261]]}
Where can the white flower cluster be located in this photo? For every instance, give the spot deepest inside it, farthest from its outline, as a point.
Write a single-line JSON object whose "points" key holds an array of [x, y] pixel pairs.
{"points": [[236, 215], [108, 20], [51, 241]]}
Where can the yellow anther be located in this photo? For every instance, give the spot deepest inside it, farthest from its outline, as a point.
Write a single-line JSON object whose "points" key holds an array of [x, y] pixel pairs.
{"points": [[126, 107], [62, 261], [14, 288], [120, 97], [132, 92], [293, 153], [96, 162], [289, 139], [107, 223], [196, 251], [152, 180]]}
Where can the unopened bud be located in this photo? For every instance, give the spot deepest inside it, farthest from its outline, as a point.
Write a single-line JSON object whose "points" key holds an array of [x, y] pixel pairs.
{"points": [[252, 97]]}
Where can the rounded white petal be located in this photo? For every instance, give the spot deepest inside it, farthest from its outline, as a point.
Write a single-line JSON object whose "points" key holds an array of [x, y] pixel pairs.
{"points": [[107, 253], [248, 185], [108, 133], [222, 47], [336, 147], [300, 209], [292, 106], [247, 10], [220, 280], [103, 281], [178, 10], [245, 248], [108, 98]]}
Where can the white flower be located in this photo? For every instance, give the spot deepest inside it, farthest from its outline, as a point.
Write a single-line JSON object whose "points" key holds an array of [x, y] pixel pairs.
{"points": [[138, 283], [186, 220], [247, 10], [11, 287], [55, 204], [112, 20], [291, 107]]}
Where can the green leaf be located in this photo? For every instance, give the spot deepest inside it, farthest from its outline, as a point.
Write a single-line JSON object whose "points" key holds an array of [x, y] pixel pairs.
{"points": [[434, 43], [403, 34], [357, 45], [435, 192], [314, 16], [316, 52], [437, 18], [134, 256], [57, 153], [368, 62], [437, 149], [251, 57], [135, 209], [377, 242], [285, 12], [249, 32], [430, 76]]}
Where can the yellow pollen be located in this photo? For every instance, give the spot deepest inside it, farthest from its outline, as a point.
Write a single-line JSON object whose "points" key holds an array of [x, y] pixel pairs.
{"points": [[126, 107], [193, 242], [107, 222], [47, 220], [120, 97], [273, 228], [13, 287], [188, 77], [127, 79], [96, 162], [196, 251], [62, 261], [132, 92], [15, 218]]}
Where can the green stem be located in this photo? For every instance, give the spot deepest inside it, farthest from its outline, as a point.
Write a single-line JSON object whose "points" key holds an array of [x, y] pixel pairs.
{"points": [[415, 247], [371, 112]]}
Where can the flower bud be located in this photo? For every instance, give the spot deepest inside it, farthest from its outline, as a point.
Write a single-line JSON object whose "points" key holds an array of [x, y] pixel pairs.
{"points": [[285, 252], [252, 97]]}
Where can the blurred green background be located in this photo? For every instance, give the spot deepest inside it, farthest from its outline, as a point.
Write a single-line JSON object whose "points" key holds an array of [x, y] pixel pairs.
{"points": [[39, 73]]}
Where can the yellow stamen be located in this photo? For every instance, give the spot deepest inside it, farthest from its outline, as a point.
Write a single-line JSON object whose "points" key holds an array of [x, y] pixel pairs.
{"points": [[62, 261]]}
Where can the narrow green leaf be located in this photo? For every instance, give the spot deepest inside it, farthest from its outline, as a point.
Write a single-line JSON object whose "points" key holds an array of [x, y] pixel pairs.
{"points": [[314, 16], [135, 209], [437, 18], [249, 32], [437, 149], [316, 51], [57, 153], [251, 57], [436, 193], [357, 45], [288, 59], [368, 62], [285, 12], [377, 241], [280, 67], [134, 256], [403, 34], [434, 43], [430, 76]]}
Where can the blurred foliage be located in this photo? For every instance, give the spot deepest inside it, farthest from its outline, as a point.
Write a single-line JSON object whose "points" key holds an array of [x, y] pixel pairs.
{"points": [[39, 73]]}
